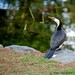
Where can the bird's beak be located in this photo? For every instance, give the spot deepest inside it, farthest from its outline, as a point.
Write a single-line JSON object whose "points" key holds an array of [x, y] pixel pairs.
{"points": [[51, 17]]}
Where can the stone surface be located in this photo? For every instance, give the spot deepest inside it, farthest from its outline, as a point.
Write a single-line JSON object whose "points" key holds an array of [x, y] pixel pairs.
{"points": [[23, 49], [1, 46], [64, 56]]}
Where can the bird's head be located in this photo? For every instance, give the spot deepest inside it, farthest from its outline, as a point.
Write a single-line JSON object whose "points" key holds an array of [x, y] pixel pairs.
{"points": [[56, 20]]}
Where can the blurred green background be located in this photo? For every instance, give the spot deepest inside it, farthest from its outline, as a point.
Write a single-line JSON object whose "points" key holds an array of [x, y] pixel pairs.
{"points": [[24, 22]]}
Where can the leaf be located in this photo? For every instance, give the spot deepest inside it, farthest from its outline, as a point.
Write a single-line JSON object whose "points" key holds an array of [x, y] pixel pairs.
{"points": [[32, 14]]}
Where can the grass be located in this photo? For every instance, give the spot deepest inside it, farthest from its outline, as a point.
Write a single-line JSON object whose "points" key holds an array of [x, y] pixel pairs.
{"points": [[70, 71], [35, 65], [14, 63]]}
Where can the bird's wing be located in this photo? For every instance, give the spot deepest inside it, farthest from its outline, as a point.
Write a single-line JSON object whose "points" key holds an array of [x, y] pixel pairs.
{"points": [[57, 39]]}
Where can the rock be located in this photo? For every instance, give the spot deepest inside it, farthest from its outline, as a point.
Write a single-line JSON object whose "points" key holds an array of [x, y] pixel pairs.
{"points": [[23, 49], [1, 46], [64, 56]]}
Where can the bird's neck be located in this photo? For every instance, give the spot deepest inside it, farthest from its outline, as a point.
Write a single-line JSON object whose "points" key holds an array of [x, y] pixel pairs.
{"points": [[60, 26]]}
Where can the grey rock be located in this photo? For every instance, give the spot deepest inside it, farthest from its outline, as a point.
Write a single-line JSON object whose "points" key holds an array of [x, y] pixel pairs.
{"points": [[1, 46], [22, 49], [64, 56]]}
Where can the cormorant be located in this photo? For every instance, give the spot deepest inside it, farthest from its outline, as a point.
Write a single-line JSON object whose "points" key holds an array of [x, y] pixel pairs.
{"points": [[57, 38]]}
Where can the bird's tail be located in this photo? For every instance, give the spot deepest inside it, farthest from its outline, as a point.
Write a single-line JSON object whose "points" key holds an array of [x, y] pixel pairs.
{"points": [[49, 54]]}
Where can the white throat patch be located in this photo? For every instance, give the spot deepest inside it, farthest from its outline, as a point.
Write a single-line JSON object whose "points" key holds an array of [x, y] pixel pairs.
{"points": [[57, 21]]}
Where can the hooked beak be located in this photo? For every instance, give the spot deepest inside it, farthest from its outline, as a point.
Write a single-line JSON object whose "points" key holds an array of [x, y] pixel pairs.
{"points": [[51, 17]]}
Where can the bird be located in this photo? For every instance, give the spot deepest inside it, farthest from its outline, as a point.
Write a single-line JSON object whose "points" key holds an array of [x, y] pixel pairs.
{"points": [[58, 37]]}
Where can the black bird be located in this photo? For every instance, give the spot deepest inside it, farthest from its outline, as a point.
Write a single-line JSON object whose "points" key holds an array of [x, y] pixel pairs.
{"points": [[57, 38]]}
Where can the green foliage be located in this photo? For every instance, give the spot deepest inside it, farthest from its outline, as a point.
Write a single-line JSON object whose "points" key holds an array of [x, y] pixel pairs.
{"points": [[23, 29]]}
